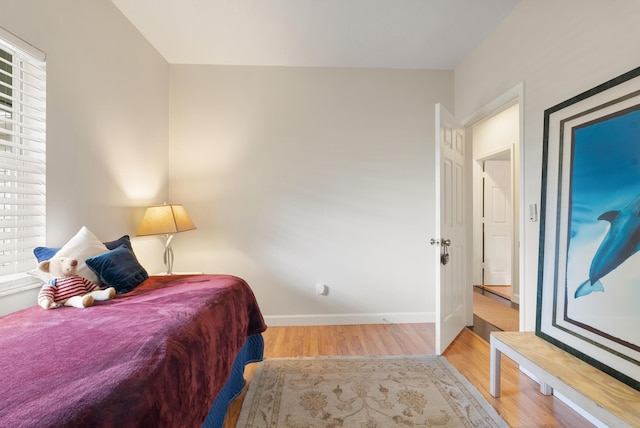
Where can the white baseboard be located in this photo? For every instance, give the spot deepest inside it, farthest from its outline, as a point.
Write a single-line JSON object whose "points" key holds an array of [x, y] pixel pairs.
{"points": [[347, 319], [516, 298]]}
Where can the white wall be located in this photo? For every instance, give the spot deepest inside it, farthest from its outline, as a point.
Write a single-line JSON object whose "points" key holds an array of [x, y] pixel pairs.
{"points": [[558, 49], [107, 118], [296, 176], [497, 134]]}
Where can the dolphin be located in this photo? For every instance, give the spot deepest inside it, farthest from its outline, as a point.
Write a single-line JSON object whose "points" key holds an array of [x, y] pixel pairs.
{"points": [[621, 242]]}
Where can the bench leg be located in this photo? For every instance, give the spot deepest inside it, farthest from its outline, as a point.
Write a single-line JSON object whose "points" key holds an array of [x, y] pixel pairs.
{"points": [[494, 376]]}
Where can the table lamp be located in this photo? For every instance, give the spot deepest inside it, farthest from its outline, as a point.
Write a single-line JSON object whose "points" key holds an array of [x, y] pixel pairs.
{"points": [[167, 220]]}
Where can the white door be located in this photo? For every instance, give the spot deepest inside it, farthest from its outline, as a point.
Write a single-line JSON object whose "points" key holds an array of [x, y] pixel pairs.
{"points": [[450, 278], [497, 222]]}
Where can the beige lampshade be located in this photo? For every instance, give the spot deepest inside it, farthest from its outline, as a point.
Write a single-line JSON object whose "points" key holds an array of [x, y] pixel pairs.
{"points": [[165, 220]]}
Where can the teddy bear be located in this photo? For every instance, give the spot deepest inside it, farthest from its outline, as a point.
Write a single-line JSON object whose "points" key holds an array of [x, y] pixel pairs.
{"points": [[67, 288]]}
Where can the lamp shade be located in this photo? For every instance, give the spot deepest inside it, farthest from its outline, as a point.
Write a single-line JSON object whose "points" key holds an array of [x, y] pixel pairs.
{"points": [[165, 220]]}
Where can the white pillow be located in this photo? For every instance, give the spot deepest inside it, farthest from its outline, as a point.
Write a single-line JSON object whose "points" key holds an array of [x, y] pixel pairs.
{"points": [[42, 276], [82, 246]]}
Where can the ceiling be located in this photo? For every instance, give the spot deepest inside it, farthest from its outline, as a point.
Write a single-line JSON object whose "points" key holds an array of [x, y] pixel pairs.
{"points": [[413, 34]]}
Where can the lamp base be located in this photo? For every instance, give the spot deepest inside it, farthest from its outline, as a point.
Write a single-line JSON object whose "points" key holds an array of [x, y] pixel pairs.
{"points": [[168, 254]]}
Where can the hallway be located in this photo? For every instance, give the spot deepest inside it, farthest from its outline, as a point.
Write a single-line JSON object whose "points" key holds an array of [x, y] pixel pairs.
{"points": [[493, 310]]}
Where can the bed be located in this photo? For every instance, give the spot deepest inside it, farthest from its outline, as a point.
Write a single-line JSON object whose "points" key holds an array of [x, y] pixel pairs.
{"points": [[170, 353]]}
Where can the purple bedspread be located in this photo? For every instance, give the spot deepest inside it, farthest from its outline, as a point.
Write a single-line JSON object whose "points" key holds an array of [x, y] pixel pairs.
{"points": [[154, 357]]}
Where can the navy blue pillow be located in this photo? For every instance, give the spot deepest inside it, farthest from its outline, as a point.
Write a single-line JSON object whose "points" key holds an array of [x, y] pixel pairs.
{"points": [[118, 268], [47, 253], [125, 240]]}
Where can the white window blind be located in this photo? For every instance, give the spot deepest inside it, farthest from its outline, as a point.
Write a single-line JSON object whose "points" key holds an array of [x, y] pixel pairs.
{"points": [[22, 159]]}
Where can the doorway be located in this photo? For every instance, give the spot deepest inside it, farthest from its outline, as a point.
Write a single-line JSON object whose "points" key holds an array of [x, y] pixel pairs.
{"points": [[497, 222], [495, 266]]}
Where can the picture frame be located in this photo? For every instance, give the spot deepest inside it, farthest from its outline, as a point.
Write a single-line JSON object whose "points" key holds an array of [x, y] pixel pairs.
{"points": [[588, 271]]}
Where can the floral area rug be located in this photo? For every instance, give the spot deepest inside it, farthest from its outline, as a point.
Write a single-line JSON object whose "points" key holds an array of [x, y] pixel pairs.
{"points": [[415, 391]]}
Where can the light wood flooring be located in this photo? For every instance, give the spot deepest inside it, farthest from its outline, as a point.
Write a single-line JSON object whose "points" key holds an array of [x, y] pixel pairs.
{"points": [[498, 294], [520, 404], [500, 290]]}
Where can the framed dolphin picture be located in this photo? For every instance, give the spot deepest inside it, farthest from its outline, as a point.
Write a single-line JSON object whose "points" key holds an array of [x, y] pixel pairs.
{"points": [[589, 263]]}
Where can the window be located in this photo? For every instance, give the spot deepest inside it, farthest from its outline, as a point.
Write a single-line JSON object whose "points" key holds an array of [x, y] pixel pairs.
{"points": [[22, 160]]}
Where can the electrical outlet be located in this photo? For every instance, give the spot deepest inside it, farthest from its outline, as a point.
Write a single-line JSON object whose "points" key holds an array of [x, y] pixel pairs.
{"points": [[533, 212], [322, 289]]}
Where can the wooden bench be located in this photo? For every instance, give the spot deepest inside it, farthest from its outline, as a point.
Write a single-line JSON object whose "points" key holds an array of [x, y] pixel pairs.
{"points": [[607, 399]]}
